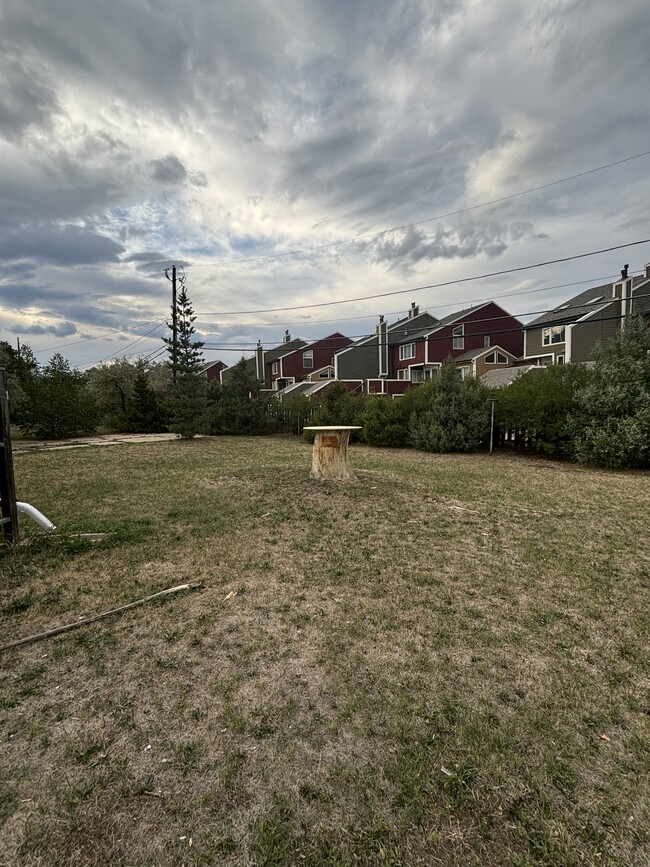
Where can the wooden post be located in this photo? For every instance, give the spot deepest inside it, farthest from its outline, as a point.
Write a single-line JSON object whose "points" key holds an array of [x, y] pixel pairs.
{"points": [[8, 509]]}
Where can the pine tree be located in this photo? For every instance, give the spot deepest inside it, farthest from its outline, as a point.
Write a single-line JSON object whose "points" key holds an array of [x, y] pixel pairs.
{"points": [[187, 351], [187, 399], [143, 413]]}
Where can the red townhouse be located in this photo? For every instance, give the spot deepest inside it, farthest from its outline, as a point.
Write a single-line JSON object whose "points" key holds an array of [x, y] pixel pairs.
{"points": [[416, 356], [295, 365]]}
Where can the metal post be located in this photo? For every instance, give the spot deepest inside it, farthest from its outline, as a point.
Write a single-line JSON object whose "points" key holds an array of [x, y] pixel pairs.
{"points": [[8, 508], [492, 426]]}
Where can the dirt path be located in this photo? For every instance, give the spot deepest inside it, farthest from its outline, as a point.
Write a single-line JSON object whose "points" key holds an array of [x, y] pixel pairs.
{"points": [[82, 442]]}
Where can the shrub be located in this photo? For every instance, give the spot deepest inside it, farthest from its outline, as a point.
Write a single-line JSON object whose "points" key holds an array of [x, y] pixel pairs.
{"points": [[612, 413], [451, 414]]}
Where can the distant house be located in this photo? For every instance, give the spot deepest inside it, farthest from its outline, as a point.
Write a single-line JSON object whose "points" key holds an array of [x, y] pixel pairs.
{"points": [[476, 362], [504, 376], [212, 370], [417, 356], [366, 363], [260, 365], [296, 364], [269, 361], [572, 330]]}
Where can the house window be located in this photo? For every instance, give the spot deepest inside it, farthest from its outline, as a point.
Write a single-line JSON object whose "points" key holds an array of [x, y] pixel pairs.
{"points": [[403, 373], [464, 371], [417, 376], [554, 334], [486, 341], [406, 351], [326, 374], [276, 368], [559, 359], [496, 358], [458, 335], [308, 358]]}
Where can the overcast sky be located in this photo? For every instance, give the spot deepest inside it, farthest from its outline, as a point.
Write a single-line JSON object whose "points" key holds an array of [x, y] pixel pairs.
{"points": [[235, 137]]}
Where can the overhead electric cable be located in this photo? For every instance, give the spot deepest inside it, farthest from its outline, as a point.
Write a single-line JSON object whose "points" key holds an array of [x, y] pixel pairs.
{"points": [[443, 284], [427, 219]]}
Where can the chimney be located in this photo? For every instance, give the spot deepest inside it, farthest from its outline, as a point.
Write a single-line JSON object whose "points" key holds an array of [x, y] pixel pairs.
{"points": [[287, 337], [259, 362], [414, 311], [382, 334], [647, 272]]}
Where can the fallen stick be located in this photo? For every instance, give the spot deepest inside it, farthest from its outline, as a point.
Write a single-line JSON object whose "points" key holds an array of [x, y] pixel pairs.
{"points": [[86, 620]]}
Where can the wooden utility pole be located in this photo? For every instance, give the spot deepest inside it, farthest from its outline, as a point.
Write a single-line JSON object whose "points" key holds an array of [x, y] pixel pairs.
{"points": [[8, 508]]}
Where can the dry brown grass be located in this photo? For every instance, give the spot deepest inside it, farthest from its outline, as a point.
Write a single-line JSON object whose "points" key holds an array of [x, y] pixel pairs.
{"points": [[485, 616]]}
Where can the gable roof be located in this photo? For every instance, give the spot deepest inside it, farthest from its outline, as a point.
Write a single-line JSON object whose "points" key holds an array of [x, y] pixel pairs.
{"points": [[307, 344], [283, 349], [585, 302], [574, 308], [471, 354], [393, 338], [449, 320]]}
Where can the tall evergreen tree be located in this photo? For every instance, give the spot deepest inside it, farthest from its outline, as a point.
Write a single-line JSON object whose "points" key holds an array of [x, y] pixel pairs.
{"points": [[187, 398], [143, 413], [57, 402], [187, 351]]}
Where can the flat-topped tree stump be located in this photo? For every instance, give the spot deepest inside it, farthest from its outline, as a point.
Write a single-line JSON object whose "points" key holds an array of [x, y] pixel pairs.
{"points": [[330, 454]]}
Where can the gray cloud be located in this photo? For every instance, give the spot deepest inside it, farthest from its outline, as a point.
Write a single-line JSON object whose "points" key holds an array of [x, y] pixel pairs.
{"points": [[201, 131], [24, 100], [407, 247], [59, 245], [168, 170], [61, 329]]}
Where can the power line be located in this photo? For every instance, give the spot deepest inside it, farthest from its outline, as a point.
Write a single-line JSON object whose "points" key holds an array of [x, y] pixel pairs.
{"points": [[434, 285], [427, 219], [404, 330], [592, 280]]}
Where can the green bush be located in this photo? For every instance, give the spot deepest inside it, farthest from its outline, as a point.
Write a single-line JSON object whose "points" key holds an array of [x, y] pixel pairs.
{"points": [[612, 412], [385, 422], [339, 406], [450, 414], [541, 403]]}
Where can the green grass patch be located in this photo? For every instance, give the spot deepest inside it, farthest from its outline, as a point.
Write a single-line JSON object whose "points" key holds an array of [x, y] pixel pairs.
{"points": [[443, 662]]}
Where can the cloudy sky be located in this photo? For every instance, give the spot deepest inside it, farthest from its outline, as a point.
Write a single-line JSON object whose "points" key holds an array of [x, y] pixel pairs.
{"points": [[267, 145]]}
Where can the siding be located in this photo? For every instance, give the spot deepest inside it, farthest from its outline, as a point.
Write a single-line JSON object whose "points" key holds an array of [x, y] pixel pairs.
{"points": [[534, 345], [359, 362], [586, 335], [487, 320]]}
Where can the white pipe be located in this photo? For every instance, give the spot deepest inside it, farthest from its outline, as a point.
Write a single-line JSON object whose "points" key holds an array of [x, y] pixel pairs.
{"points": [[35, 515]]}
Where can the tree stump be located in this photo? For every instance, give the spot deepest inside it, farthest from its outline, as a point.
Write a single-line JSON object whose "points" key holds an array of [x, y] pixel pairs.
{"points": [[330, 454]]}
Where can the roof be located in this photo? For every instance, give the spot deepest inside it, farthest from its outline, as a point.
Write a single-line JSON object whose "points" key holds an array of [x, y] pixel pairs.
{"points": [[482, 350], [506, 375], [447, 320], [580, 305], [283, 349], [306, 388]]}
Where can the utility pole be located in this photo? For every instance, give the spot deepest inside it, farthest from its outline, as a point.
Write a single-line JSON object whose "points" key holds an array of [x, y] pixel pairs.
{"points": [[174, 321], [492, 426], [8, 508]]}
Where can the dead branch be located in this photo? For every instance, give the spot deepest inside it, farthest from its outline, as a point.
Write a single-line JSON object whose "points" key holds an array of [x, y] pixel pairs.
{"points": [[86, 620]]}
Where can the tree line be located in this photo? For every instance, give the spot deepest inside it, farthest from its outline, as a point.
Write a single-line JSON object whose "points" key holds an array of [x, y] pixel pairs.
{"points": [[598, 415]]}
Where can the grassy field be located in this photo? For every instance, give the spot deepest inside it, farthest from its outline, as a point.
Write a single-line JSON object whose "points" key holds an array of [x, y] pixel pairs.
{"points": [[444, 662]]}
